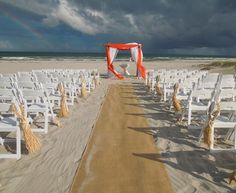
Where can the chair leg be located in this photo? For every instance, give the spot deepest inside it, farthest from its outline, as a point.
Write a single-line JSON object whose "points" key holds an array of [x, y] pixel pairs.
{"points": [[170, 104], [229, 134], [189, 115], [46, 121], [200, 136], [164, 94], [234, 137], [18, 144]]}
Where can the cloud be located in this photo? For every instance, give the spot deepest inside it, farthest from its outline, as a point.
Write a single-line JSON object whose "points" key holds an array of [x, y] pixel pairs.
{"points": [[160, 24], [4, 44], [72, 17], [40, 7]]}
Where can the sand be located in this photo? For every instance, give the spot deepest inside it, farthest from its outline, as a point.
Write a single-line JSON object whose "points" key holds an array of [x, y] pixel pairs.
{"points": [[115, 158], [190, 167], [52, 169], [8, 66]]}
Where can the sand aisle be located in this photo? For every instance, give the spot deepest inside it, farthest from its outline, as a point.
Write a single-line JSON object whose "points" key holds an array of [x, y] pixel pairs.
{"points": [[115, 157]]}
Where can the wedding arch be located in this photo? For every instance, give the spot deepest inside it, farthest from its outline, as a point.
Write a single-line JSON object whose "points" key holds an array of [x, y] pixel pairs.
{"points": [[136, 54]]}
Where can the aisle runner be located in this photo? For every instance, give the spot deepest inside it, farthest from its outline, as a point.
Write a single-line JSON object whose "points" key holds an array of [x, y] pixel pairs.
{"points": [[119, 158]]}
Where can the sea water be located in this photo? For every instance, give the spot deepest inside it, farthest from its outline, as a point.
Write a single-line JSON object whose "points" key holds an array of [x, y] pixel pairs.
{"points": [[96, 56]]}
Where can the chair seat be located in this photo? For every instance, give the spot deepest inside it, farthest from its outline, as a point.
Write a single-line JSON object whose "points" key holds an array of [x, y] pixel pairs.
{"points": [[54, 97], [182, 96], [37, 108], [198, 106], [224, 122], [228, 106], [8, 124]]}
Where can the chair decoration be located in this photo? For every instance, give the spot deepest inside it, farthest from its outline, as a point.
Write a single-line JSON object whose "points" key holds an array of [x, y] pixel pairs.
{"points": [[95, 80], [83, 87], [158, 88], [55, 121], [177, 103], [32, 142], [149, 82], [64, 111], [232, 177], [212, 115]]}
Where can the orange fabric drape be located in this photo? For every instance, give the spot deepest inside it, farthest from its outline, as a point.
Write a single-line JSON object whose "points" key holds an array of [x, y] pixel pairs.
{"points": [[110, 65], [140, 68], [122, 46]]}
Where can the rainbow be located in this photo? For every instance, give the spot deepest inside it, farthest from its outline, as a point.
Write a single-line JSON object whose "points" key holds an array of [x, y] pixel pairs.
{"points": [[25, 25]]}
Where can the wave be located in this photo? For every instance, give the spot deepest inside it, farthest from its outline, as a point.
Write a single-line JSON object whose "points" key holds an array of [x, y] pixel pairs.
{"points": [[16, 58]]}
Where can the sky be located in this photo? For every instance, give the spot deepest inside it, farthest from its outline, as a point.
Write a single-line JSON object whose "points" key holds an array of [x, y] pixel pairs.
{"points": [[193, 27]]}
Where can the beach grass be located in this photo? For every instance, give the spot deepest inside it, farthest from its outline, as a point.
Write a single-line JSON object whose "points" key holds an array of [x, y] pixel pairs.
{"points": [[229, 64], [223, 63]]}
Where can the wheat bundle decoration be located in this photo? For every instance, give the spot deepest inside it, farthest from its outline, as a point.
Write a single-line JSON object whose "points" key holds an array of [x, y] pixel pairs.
{"points": [[32, 142], [148, 82], [158, 88], [177, 103], [55, 121], [95, 80], [232, 177], [83, 89], [64, 110], [212, 115]]}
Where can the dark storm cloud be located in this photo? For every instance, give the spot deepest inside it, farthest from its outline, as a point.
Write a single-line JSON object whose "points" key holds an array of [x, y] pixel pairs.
{"points": [[159, 24], [174, 24]]}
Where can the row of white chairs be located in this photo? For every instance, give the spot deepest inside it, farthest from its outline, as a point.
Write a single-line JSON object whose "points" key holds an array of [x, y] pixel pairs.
{"points": [[38, 92], [206, 89]]}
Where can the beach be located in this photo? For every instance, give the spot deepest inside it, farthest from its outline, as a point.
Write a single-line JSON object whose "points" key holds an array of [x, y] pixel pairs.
{"points": [[66, 151]]}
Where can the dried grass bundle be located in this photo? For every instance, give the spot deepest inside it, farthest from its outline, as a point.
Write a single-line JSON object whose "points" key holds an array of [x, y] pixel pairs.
{"points": [[207, 134], [83, 87], [83, 90], [95, 80], [232, 177], [158, 88], [212, 115], [32, 142], [176, 103], [64, 110], [55, 121], [148, 83]]}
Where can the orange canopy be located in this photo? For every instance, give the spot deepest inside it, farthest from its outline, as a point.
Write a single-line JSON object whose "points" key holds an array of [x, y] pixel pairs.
{"points": [[136, 52], [123, 46]]}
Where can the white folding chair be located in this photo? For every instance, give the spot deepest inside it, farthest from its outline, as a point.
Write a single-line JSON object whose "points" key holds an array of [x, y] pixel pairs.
{"points": [[35, 102], [199, 102], [9, 124], [223, 122]]}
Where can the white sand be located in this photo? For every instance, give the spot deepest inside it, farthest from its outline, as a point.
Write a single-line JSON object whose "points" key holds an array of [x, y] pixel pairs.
{"points": [[190, 168], [53, 168], [190, 165], [7, 66]]}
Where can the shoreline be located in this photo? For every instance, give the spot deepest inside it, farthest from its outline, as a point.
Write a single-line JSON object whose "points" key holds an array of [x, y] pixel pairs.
{"points": [[13, 66]]}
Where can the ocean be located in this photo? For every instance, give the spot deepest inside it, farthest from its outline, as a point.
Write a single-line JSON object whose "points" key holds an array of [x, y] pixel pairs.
{"points": [[97, 56]]}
